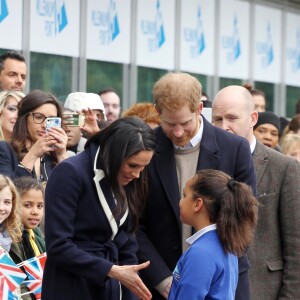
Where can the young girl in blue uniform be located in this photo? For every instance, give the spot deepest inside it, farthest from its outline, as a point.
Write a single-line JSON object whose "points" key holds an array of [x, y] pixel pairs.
{"points": [[223, 213]]}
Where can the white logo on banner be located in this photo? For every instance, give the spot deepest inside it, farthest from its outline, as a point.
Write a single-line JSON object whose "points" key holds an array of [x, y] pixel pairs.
{"points": [[3, 10], [55, 15], [108, 23], [293, 54], [195, 36], [154, 30], [232, 43], [265, 49]]}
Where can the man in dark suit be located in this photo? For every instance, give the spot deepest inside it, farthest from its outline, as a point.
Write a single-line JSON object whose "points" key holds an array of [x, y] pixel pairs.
{"points": [[186, 142], [274, 253]]}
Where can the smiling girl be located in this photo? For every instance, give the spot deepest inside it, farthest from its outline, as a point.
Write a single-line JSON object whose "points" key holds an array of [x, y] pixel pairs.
{"points": [[223, 213], [32, 212], [10, 223]]}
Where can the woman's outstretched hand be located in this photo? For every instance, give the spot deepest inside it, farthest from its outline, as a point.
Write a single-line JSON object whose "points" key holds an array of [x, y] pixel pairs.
{"points": [[128, 276]]}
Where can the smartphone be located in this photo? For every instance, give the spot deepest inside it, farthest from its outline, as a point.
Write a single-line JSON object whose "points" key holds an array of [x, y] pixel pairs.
{"points": [[53, 122], [73, 119]]}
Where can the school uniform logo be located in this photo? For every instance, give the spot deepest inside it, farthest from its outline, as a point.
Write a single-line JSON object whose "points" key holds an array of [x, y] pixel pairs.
{"points": [[176, 274]]}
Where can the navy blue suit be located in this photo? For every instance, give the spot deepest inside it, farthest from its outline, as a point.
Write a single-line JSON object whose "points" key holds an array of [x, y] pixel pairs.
{"points": [[82, 240], [159, 233]]}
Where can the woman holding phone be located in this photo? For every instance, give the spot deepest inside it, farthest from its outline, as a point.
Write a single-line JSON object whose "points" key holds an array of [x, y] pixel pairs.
{"points": [[33, 150], [93, 202]]}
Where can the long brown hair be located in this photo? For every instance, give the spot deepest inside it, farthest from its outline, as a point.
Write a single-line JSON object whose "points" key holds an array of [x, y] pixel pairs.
{"points": [[230, 204], [29, 103]]}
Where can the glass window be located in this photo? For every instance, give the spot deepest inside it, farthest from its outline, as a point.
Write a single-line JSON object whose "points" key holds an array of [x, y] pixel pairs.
{"points": [[203, 81], [268, 89], [101, 75], [229, 81], [2, 51], [146, 79], [51, 73], [292, 97]]}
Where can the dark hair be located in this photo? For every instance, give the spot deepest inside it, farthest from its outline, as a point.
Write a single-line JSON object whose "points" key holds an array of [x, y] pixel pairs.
{"points": [[120, 140], [254, 92], [230, 204], [204, 94], [107, 90], [294, 124], [26, 183], [12, 55], [268, 117], [30, 102]]}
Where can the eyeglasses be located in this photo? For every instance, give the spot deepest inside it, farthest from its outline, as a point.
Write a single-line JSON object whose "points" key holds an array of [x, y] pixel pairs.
{"points": [[38, 118]]}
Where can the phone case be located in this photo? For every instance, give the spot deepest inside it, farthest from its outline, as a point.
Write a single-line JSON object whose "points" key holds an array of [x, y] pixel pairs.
{"points": [[53, 122]]}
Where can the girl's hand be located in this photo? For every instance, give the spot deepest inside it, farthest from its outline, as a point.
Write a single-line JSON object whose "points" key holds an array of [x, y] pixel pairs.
{"points": [[128, 276]]}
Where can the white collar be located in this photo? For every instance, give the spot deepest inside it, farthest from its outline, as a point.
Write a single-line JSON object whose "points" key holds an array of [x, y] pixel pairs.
{"points": [[199, 233], [99, 174], [253, 145], [196, 139]]}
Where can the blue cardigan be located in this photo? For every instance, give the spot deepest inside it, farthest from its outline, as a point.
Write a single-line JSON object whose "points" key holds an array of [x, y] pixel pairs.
{"points": [[205, 271]]}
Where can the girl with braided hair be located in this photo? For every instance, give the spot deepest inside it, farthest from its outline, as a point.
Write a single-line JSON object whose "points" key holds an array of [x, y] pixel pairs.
{"points": [[223, 213]]}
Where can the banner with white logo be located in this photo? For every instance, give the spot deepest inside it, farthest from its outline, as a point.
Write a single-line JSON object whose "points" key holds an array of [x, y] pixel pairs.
{"points": [[11, 17], [109, 30], [54, 27], [267, 44], [155, 33], [292, 50], [197, 42], [234, 39]]}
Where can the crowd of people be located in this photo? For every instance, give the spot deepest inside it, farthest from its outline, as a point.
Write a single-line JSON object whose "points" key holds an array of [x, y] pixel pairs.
{"points": [[155, 202]]}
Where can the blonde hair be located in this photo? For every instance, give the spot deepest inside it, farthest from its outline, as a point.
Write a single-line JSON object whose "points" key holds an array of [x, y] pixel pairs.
{"points": [[145, 111], [4, 95], [174, 90], [290, 140], [13, 223]]}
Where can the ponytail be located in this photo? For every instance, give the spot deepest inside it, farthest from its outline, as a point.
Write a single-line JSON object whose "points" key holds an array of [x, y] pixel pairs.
{"points": [[231, 205]]}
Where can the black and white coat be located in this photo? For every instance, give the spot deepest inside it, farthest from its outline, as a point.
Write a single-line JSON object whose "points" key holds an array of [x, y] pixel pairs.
{"points": [[83, 239]]}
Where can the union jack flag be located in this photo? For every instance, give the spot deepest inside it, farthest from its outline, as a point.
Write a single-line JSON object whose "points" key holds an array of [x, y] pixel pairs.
{"points": [[34, 268], [5, 293], [12, 274]]}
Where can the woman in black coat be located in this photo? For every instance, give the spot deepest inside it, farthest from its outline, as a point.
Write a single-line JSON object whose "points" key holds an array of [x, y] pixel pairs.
{"points": [[93, 202]]}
